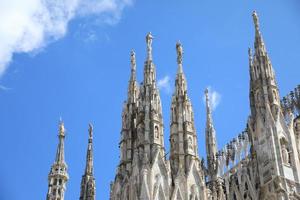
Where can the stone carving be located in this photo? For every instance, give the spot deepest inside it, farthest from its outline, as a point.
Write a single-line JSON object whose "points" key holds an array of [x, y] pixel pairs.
{"points": [[156, 185], [58, 171], [145, 172], [190, 143], [285, 154], [179, 53], [156, 132], [132, 60], [149, 39]]}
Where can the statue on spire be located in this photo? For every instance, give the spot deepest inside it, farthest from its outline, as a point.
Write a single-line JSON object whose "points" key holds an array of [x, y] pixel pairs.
{"points": [[179, 56], [132, 60], [61, 127], [149, 38], [58, 170], [259, 45], [207, 102], [256, 20], [91, 128], [179, 52]]}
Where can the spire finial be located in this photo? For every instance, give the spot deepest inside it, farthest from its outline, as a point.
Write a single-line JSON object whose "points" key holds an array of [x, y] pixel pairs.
{"points": [[207, 100], [88, 182], [61, 127], [132, 60], [60, 154], [259, 45], [208, 108], [149, 38], [91, 128], [255, 20], [179, 50], [59, 168]]}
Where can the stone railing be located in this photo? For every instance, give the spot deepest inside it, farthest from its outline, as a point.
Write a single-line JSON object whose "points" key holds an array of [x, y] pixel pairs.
{"points": [[291, 102], [233, 152]]}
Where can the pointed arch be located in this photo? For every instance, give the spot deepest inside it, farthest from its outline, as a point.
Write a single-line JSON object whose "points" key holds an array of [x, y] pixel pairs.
{"points": [[177, 194], [161, 194], [145, 194]]}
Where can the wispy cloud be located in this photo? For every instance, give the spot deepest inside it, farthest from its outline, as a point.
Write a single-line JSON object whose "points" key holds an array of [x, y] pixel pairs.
{"points": [[28, 26], [4, 88], [164, 84], [91, 37], [214, 97]]}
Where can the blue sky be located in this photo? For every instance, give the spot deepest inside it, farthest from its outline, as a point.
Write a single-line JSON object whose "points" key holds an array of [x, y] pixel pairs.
{"points": [[77, 67]]}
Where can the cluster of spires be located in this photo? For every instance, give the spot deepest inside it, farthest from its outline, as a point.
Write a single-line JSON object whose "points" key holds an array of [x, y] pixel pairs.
{"points": [[183, 149], [58, 175], [180, 91]]}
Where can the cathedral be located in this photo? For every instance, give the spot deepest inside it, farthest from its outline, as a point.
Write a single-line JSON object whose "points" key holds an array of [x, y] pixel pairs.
{"points": [[261, 163], [58, 175]]}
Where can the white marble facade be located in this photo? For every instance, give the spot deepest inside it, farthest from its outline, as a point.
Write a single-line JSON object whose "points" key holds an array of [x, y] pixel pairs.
{"points": [[261, 163]]}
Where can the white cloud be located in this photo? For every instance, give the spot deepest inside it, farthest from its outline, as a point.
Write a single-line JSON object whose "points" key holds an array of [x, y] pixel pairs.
{"points": [[214, 97], [164, 84], [27, 26], [2, 87]]}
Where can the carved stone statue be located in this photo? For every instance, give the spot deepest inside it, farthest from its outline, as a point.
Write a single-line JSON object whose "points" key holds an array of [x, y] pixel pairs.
{"points": [[61, 127], [132, 60], [285, 154], [245, 144], [190, 143], [291, 119], [149, 38], [221, 161], [179, 53], [156, 132], [91, 128]]}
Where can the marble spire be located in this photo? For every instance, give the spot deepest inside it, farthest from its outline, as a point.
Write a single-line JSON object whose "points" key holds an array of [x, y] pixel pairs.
{"points": [[88, 185], [58, 175]]}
